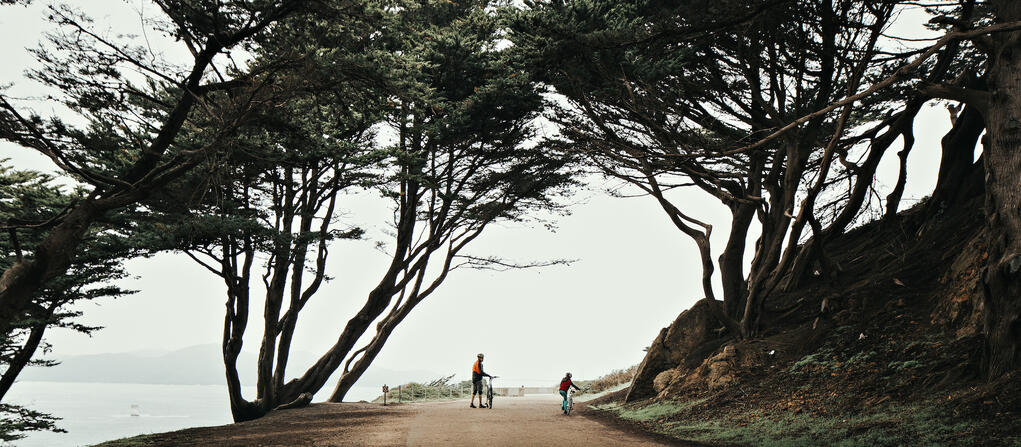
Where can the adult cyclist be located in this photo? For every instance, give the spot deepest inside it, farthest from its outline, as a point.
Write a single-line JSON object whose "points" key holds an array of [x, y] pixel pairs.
{"points": [[565, 384], [477, 374]]}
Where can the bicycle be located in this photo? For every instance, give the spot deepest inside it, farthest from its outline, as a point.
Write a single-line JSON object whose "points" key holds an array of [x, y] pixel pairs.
{"points": [[570, 401], [489, 393]]}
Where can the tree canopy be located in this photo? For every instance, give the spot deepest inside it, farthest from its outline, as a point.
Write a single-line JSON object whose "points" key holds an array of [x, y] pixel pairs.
{"points": [[783, 111]]}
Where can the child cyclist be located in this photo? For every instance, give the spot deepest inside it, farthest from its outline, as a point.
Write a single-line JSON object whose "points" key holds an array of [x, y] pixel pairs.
{"points": [[566, 384]]}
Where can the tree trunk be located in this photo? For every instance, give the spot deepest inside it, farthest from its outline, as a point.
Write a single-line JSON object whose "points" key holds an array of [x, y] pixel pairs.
{"points": [[348, 378], [732, 260], [233, 338], [771, 241], [235, 322], [1003, 199], [317, 375], [957, 164], [893, 199], [23, 280], [26, 352]]}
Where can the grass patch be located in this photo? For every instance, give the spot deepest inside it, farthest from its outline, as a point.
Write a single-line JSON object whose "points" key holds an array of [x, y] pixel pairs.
{"points": [[614, 379], [813, 361], [652, 412], [612, 406], [890, 426], [885, 426], [901, 366], [585, 396], [860, 358], [134, 441]]}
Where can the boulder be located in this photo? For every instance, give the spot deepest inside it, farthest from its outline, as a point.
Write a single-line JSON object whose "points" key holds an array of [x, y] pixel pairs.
{"points": [[685, 343], [664, 379], [719, 369]]}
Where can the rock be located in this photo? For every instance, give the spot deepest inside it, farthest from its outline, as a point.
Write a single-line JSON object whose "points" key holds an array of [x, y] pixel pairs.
{"points": [[664, 379], [686, 343], [720, 368]]}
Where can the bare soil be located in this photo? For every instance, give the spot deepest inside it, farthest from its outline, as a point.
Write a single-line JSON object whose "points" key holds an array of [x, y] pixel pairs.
{"points": [[517, 421]]}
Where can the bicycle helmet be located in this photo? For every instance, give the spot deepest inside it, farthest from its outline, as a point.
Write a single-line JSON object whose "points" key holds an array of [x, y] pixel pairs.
{"points": [[568, 375], [480, 355]]}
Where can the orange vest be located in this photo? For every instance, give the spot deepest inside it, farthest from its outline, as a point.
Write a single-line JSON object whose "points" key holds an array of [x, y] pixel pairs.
{"points": [[475, 367]]}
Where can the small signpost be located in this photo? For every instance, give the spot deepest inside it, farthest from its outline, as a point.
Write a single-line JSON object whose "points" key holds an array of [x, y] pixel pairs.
{"points": [[386, 390]]}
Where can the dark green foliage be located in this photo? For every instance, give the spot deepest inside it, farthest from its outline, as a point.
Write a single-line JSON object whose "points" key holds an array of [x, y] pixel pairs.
{"points": [[665, 95], [28, 201], [139, 123], [675, 78], [15, 421], [470, 108]]}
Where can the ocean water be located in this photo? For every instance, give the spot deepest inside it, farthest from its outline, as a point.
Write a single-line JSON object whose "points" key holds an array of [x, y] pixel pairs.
{"points": [[97, 412]]}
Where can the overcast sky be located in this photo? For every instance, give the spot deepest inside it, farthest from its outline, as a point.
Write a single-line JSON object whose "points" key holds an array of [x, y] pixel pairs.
{"points": [[634, 274]]}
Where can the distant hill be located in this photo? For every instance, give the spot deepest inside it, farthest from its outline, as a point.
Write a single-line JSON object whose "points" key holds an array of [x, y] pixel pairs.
{"points": [[194, 365]]}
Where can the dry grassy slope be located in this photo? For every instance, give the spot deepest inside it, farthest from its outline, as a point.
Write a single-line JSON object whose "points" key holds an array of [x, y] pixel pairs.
{"points": [[893, 361]]}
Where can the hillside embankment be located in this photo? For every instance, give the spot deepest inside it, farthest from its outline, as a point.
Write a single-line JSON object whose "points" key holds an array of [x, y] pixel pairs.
{"points": [[885, 353]]}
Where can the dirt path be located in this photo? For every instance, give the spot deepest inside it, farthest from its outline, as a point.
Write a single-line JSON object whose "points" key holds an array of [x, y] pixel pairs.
{"points": [[518, 421], [513, 421]]}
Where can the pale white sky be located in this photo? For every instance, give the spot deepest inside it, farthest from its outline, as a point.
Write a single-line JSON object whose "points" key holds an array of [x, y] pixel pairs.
{"points": [[634, 275]]}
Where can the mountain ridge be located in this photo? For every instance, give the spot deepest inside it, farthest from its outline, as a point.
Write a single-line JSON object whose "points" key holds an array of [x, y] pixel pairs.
{"points": [[191, 365]]}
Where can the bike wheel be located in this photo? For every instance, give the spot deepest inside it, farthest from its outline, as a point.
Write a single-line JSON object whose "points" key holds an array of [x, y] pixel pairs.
{"points": [[570, 405], [489, 397]]}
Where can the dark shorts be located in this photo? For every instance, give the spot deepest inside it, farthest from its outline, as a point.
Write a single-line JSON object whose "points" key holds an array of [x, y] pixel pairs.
{"points": [[477, 387]]}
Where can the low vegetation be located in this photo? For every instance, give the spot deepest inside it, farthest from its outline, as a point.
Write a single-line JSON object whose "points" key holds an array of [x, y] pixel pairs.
{"points": [[135, 441], [614, 379], [439, 389], [885, 425]]}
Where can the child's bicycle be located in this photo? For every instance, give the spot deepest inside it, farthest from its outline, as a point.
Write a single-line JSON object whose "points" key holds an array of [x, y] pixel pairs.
{"points": [[570, 398], [570, 401], [489, 393]]}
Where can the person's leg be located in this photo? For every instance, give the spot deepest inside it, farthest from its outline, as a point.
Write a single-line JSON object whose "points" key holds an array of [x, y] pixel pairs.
{"points": [[563, 405], [477, 390]]}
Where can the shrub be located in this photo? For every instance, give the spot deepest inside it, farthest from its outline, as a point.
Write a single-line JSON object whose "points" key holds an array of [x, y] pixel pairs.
{"points": [[613, 379]]}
